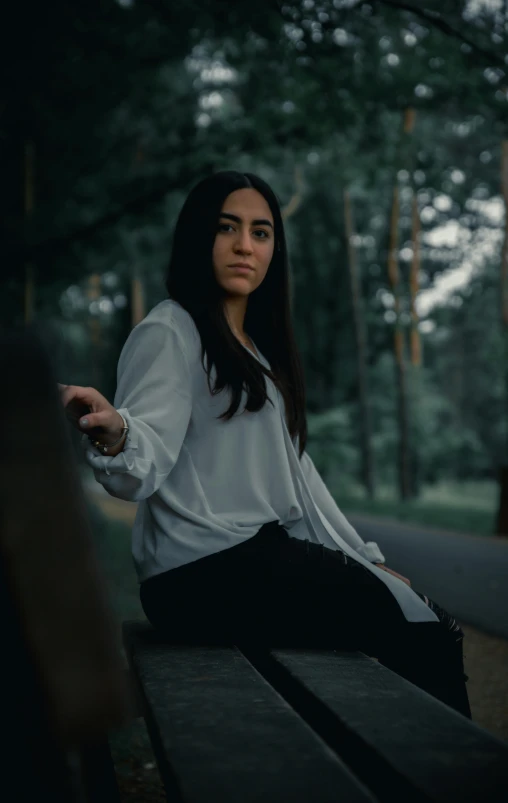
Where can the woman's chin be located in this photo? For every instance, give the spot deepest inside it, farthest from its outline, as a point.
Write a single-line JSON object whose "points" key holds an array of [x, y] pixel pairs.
{"points": [[238, 287]]}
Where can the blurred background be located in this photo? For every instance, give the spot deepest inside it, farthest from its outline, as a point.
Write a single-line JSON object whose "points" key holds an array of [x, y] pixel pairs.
{"points": [[381, 126]]}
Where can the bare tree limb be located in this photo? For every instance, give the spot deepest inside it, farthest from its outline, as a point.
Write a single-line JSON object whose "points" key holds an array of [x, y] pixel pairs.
{"points": [[296, 199], [437, 21], [429, 16], [132, 206]]}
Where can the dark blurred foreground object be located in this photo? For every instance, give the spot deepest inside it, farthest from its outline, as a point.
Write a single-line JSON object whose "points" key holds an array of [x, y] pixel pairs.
{"points": [[64, 687], [228, 724]]}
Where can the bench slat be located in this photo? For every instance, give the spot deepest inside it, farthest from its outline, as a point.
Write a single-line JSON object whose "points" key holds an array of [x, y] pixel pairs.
{"points": [[220, 732], [394, 733]]}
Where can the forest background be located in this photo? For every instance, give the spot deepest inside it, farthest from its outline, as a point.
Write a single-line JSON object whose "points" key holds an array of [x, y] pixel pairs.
{"points": [[382, 127]]}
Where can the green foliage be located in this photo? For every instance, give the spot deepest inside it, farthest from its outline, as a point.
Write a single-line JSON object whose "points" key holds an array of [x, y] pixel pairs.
{"points": [[446, 446], [332, 445], [132, 103], [465, 507]]}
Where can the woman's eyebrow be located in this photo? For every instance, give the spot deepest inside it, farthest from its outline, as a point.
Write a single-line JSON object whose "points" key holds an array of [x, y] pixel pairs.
{"points": [[257, 222]]}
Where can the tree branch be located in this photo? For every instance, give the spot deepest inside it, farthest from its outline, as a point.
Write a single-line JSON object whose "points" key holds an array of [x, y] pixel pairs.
{"points": [[133, 206], [437, 21], [296, 199], [432, 18]]}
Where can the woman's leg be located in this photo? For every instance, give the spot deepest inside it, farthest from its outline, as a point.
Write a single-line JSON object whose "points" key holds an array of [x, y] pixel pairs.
{"points": [[280, 591], [430, 655], [344, 601], [271, 589]]}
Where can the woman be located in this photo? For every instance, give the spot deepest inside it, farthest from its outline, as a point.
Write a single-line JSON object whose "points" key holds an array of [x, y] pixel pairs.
{"points": [[236, 536]]}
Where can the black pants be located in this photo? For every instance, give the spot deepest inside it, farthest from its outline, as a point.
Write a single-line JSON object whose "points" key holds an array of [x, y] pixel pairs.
{"points": [[276, 591]]}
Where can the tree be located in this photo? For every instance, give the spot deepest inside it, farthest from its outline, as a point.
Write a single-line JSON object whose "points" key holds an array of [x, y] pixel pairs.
{"points": [[151, 97]]}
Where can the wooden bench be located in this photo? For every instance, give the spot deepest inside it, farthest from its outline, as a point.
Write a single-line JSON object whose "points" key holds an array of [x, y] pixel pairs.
{"points": [[232, 724], [226, 723]]}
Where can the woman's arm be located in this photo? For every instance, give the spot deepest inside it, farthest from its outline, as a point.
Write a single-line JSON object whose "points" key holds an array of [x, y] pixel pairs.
{"points": [[154, 394], [326, 503]]}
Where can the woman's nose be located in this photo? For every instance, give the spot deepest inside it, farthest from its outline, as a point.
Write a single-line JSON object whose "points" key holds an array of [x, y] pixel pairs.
{"points": [[244, 242]]}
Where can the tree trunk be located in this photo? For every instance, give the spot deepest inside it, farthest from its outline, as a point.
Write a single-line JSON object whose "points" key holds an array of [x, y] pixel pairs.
{"points": [[94, 326], [29, 207], [502, 515], [415, 393], [414, 384], [292, 205], [416, 355], [138, 307], [296, 199], [393, 275], [367, 470]]}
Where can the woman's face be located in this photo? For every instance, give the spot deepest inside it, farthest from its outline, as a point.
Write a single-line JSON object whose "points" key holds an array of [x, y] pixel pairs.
{"points": [[245, 234]]}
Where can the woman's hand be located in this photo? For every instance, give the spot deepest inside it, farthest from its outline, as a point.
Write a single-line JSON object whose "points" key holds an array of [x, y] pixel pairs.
{"points": [[91, 413], [395, 574]]}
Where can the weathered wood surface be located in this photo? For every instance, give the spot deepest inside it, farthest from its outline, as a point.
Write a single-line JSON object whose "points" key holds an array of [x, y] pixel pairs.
{"points": [[220, 732], [224, 720], [394, 735]]}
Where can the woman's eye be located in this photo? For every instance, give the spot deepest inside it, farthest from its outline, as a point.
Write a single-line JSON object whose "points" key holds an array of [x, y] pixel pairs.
{"points": [[223, 226]]}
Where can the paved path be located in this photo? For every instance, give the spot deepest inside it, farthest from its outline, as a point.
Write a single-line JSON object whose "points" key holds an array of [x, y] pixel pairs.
{"points": [[466, 574]]}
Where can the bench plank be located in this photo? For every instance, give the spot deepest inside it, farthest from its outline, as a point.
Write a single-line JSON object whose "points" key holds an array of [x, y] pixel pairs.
{"points": [[390, 732], [220, 732]]}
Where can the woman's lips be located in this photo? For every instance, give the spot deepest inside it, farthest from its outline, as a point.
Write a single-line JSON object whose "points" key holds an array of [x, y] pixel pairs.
{"points": [[239, 269]]}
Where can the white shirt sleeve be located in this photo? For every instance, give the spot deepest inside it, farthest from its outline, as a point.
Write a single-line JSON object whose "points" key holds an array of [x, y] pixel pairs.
{"points": [[154, 394], [326, 503]]}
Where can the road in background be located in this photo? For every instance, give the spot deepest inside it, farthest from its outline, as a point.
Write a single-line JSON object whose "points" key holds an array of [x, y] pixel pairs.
{"points": [[465, 574]]}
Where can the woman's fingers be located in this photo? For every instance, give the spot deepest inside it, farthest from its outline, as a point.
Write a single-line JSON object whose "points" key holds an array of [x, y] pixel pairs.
{"points": [[395, 574], [91, 420], [68, 393], [81, 403], [78, 394], [76, 409], [89, 411]]}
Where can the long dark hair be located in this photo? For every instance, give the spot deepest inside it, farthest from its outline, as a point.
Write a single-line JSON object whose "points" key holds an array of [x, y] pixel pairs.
{"points": [[191, 282]]}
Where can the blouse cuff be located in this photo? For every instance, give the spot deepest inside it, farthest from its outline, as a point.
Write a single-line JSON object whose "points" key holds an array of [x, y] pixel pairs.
{"points": [[371, 552]]}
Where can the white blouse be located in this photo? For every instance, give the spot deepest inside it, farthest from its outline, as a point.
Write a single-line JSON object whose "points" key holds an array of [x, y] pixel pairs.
{"points": [[205, 484]]}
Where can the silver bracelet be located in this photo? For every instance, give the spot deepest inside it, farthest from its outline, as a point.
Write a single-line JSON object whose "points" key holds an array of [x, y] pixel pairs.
{"points": [[103, 447]]}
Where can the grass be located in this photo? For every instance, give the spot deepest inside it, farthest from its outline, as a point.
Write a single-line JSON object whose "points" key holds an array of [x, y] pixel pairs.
{"points": [[468, 507]]}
